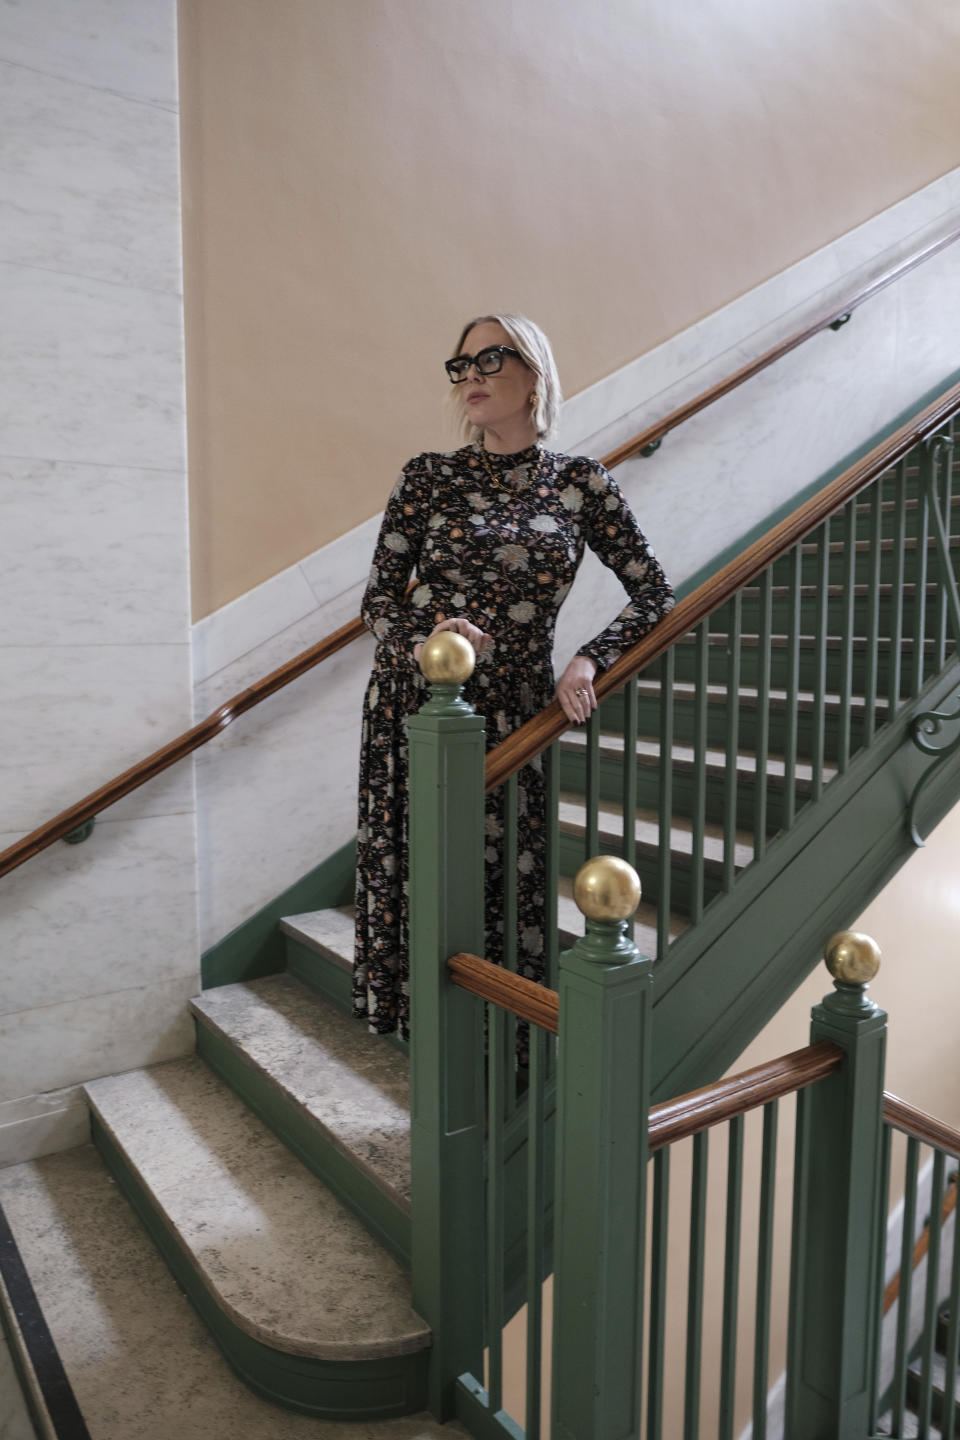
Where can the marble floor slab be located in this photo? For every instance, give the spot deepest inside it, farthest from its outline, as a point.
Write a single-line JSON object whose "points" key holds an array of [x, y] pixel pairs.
{"points": [[141, 1363], [348, 1083], [281, 1256]]}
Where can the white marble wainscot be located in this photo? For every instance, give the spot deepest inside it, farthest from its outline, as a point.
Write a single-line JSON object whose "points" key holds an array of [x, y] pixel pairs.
{"points": [[100, 201], [98, 942], [129, 48], [276, 792], [41, 1125], [122, 1029], [709, 485]]}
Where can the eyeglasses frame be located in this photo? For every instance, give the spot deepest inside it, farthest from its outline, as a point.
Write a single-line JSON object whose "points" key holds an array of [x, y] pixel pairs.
{"points": [[471, 360]]}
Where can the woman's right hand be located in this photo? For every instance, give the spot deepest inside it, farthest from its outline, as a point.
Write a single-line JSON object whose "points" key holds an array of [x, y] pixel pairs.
{"points": [[478, 638]]}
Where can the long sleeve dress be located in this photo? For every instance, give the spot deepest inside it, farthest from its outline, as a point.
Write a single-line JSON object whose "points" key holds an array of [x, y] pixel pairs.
{"points": [[503, 551]]}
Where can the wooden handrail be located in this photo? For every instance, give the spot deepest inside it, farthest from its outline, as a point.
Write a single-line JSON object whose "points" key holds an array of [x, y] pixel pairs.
{"points": [[919, 1125], [553, 725], [654, 433], [713, 1104], [168, 755], [523, 997], [520, 748]]}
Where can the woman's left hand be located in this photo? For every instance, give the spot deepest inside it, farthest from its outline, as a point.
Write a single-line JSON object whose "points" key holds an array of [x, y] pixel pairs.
{"points": [[575, 689]]}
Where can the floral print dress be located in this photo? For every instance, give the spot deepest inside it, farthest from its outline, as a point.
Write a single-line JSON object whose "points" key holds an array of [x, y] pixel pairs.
{"points": [[504, 551]]}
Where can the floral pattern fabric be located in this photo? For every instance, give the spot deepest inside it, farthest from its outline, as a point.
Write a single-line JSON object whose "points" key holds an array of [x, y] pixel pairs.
{"points": [[503, 550]]}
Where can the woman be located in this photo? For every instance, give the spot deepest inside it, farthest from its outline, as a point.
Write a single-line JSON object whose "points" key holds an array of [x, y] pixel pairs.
{"points": [[494, 532]]}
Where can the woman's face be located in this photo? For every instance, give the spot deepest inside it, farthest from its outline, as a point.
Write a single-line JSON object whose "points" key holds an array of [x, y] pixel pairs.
{"points": [[493, 401]]}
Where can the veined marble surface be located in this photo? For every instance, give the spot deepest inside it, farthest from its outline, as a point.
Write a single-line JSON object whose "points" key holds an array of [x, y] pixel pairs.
{"points": [[278, 786], [346, 1082], [105, 202], [711, 482], [284, 1259], [42, 1124], [99, 941], [141, 1363]]}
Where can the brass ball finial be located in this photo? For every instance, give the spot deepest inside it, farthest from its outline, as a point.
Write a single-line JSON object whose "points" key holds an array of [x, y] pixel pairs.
{"points": [[607, 888], [851, 958], [447, 659]]}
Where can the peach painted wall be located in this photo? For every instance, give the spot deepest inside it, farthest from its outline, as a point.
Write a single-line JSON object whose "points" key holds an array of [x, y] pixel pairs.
{"points": [[359, 178]]}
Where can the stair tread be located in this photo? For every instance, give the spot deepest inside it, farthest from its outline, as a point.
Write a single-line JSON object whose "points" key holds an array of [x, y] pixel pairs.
{"points": [[719, 695], [328, 932], [572, 812], [284, 1259], [938, 1372], [346, 1081], [648, 753], [141, 1362]]}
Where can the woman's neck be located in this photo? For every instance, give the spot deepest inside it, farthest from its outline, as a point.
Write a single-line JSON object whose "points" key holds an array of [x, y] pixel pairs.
{"points": [[510, 438]]}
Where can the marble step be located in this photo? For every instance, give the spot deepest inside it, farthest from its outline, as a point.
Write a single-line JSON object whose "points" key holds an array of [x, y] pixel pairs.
{"points": [[319, 946], [338, 1096], [301, 1297], [140, 1362]]}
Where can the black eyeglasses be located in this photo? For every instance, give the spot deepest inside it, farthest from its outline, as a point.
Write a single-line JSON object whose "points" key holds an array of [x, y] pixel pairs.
{"points": [[487, 362]]}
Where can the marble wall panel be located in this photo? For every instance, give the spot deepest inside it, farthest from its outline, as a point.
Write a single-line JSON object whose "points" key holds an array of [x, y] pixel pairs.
{"points": [[128, 46], [86, 712], [276, 793], [79, 1040], [92, 555], [41, 1125], [90, 181], [114, 913], [90, 371]]}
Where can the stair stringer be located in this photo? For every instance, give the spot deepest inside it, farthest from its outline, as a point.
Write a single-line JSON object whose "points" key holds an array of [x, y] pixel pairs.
{"points": [[725, 978]]}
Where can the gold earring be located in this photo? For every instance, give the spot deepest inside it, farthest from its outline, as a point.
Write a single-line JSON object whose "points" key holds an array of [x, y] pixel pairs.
{"points": [[534, 398]]}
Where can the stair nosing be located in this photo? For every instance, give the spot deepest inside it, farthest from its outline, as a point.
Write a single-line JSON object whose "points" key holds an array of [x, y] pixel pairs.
{"points": [[329, 1350]]}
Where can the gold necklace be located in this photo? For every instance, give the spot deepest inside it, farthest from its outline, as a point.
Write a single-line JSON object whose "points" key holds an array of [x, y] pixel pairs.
{"points": [[533, 464]]}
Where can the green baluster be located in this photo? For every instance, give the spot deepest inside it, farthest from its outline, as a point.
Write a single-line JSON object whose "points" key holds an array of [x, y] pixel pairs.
{"points": [[446, 1050], [837, 1220], [602, 1101]]}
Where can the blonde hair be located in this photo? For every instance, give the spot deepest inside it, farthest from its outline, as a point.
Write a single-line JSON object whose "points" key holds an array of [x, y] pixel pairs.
{"points": [[534, 348]]}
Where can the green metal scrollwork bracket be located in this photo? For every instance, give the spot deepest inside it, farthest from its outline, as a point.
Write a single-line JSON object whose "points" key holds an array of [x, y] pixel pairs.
{"points": [[841, 320], [651, 449], [924, 732], [82, 832]]}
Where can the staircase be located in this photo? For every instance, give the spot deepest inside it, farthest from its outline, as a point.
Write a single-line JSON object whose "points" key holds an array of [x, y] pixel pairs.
{"points": [[773, 763]]}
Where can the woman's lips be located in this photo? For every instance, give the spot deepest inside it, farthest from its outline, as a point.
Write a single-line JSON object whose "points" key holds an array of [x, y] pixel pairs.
{"points": [[476, 395]]}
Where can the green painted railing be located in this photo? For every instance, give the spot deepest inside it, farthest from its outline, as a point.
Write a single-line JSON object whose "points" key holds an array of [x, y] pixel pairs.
{"points": [[750, 715], [919, 1320], [523, 1174]]}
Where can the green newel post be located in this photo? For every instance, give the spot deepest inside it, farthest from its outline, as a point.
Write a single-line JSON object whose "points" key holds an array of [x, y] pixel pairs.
{"points": [[602, 1098], [447, 754], [839, 1212]]}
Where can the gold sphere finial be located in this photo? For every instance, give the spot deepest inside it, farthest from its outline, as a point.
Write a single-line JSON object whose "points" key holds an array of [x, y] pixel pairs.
{"points": [[852, 958], [607, 888], [447, 659]]}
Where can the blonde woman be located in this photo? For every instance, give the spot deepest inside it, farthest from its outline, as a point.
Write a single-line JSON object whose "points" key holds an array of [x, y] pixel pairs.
{"points": [[494, 533]]}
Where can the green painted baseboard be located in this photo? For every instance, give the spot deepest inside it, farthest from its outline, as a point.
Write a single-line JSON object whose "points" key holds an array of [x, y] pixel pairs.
{"points": [[257, 946], [357, 1390]]}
